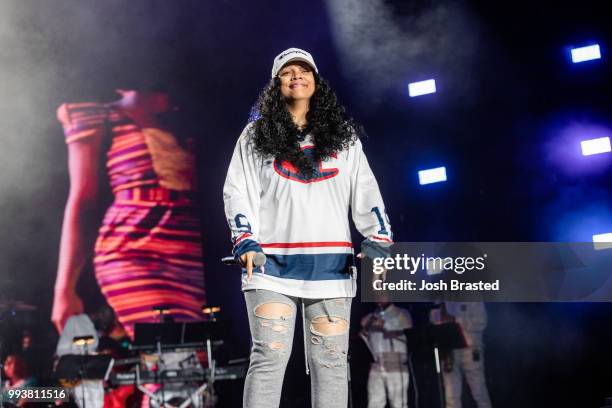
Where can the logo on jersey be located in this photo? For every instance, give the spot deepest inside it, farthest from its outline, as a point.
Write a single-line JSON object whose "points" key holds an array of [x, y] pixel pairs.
{"points": [[289, 171]]}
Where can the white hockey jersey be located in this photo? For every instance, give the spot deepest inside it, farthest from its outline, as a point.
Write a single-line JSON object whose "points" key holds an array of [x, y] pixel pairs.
{"points": [[301, 222]]}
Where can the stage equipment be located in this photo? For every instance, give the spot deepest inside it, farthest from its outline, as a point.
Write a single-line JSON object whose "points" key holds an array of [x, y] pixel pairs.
{"points": [[175, 367], [435, 337], [588, 53], [595, 146], [434, 175], [421, 88]]}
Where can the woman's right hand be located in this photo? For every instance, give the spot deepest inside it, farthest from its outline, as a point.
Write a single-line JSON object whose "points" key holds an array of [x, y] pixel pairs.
{"points": [[66, 303], [247, 261]]}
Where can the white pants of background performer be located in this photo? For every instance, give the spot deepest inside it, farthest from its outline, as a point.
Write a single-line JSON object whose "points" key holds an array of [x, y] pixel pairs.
{"points": [[391, 385], [465, 365]]}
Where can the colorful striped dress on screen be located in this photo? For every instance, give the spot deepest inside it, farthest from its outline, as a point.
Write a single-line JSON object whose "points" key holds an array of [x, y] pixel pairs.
{"points": [[148, 252]]}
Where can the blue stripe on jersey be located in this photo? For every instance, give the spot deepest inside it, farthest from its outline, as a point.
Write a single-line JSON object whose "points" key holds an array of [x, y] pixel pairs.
{"points": [[245, 246], [309, 267]]}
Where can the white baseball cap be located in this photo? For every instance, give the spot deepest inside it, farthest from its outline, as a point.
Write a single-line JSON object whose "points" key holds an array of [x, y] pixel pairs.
{"points": [[292, 54]]}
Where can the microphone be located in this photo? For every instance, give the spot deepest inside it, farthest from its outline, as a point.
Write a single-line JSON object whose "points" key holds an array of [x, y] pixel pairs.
{"points": [[259, 260]]}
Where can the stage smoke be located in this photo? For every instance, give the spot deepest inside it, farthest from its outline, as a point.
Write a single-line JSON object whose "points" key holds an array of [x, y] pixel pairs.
{"points": [[381, 49]]}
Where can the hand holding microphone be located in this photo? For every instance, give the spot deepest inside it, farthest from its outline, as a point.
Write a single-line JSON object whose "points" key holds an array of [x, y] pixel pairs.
{"points": [[249, 260]]}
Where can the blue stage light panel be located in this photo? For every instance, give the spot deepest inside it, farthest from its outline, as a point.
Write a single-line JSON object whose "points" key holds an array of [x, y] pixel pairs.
{"points": [[602, 241], [595, 146], [421, 88], [432, 175], [588, 53]]}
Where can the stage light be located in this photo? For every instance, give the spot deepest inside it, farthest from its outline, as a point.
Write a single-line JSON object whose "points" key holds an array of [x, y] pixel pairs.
{"points": [[210, 309], [587, 53], [83, 340], [210, 312], [421, 88], [595, 146], [435, 175], [602, 241]]}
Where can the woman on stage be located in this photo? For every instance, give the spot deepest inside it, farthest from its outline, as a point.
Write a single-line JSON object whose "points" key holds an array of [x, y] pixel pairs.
{"points": [[148, 251], [294, 174]]}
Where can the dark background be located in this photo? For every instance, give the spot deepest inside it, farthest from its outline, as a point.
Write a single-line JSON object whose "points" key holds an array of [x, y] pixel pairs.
{"points": [[503, 122]]}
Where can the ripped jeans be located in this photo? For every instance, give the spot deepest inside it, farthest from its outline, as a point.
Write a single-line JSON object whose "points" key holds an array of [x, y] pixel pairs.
{"points": [[272, 321]]}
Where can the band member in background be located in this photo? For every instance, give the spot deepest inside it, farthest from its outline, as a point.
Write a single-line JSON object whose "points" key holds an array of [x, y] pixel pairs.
{"points": [[294, 174], [86, 393], [389, 375], [16, 373], [114, 341], [35, 353], [113, 338], [469, 361], [148, 249]]}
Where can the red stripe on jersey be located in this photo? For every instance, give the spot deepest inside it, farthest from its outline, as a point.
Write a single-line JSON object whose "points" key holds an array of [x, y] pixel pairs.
{"points": [[382, 238], [241, 238], [306, 244]]}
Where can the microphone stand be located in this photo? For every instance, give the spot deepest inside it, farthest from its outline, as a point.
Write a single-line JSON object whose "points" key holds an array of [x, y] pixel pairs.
{"points": [[350, 386], [162, 366], [82, 374], [162, 363]]}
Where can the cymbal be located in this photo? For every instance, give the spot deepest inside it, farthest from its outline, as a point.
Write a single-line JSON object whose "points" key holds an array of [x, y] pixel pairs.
{"points": [[17, 306]]}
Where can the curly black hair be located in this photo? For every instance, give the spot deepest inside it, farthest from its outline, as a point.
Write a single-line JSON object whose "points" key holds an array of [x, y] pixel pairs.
{"points": [[275, 133]]}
